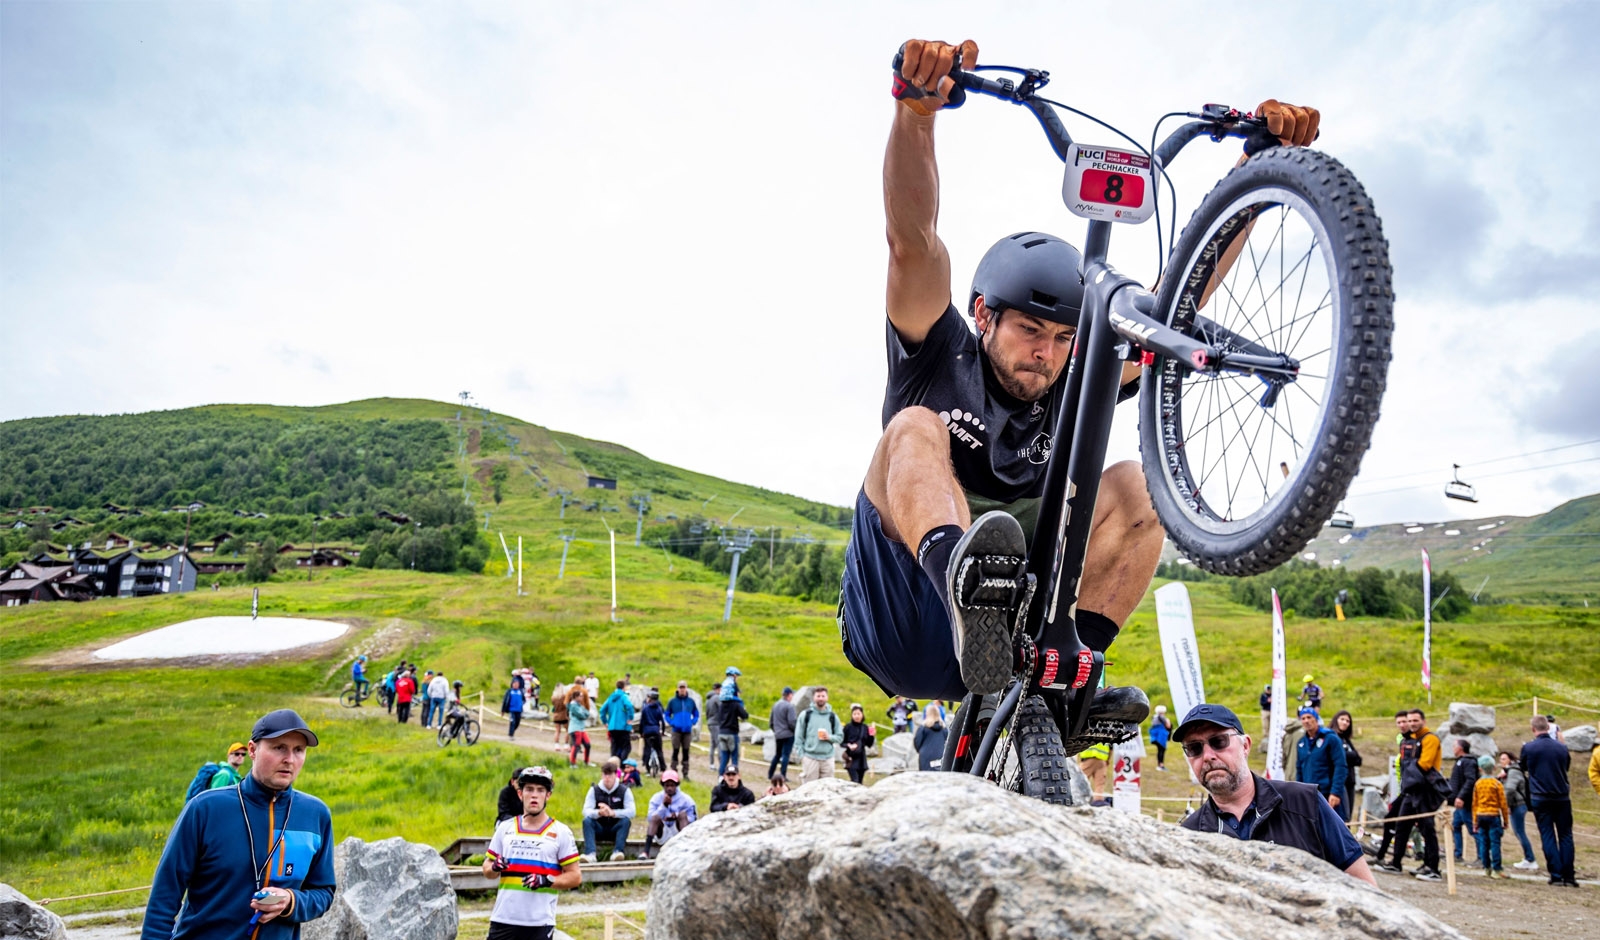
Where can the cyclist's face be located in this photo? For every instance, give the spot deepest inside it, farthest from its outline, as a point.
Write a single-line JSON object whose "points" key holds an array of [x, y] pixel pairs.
{"points": [[1027, 353], [534, 796]]}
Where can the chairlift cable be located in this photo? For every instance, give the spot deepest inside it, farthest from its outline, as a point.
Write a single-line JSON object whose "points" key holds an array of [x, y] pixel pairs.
{"points": [[1484, 476], [1480, 463]]}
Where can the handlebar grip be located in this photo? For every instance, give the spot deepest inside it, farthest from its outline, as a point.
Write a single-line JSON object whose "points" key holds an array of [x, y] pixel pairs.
{"points": [[1260, 139], [904, 89]]}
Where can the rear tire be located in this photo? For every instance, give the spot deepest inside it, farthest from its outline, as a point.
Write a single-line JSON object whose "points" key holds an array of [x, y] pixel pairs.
{"points": [[1279, 198], [349, 699], [1046, 768], [445, 736]]}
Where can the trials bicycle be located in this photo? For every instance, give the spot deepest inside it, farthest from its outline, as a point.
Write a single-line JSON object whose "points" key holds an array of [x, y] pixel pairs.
{"points": [[1265, 350], [458, 725]]}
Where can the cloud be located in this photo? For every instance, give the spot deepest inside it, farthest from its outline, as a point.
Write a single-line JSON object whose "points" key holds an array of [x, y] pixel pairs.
{"points": [[1570, 404]]}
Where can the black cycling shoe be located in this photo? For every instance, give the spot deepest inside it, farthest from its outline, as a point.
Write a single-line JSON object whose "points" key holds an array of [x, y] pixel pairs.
{"points": [[987, 582], [1124, 703]]}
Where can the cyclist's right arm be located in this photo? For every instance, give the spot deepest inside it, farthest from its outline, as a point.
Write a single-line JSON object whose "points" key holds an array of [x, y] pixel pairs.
{"points": [[919, 263]]}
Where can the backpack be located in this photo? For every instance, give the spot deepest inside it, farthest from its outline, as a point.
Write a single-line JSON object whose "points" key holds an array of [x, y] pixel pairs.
{"points": [[202, 779]]}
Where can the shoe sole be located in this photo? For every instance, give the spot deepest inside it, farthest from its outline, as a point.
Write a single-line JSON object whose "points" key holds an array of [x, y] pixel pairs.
{"points": [[985, 582]]}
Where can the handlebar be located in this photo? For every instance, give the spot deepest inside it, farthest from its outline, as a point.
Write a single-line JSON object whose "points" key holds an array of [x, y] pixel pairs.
{"points": [[1214, 120]]}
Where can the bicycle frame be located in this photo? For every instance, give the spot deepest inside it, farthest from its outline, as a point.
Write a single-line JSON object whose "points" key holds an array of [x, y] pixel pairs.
{"points": [[1114, 326]]}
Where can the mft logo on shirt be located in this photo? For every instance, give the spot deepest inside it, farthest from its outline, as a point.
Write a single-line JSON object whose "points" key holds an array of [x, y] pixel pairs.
{"points": [[955, 421]]}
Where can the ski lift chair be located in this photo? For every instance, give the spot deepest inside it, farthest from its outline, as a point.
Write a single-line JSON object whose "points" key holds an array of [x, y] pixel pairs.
{"points": [[1456, 489], [1341, 519]]}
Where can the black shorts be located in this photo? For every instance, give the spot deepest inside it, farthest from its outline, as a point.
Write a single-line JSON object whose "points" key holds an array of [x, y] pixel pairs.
{"points": [[499, 931], [891, 620]]}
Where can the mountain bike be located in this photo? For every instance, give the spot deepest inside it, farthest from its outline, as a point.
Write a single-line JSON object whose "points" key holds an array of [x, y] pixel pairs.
{"points": [[459, 726], [1265, 349]]}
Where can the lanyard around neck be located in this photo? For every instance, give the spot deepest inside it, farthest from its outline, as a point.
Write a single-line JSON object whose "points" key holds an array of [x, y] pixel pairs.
{"points": [[260, 871]]}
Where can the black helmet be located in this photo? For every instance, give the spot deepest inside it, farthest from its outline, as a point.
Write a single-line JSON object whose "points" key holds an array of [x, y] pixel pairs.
{"points": [[1031, 272], [458, 683]]}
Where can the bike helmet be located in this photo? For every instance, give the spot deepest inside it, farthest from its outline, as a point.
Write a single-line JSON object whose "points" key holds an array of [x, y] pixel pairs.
{"points": [[536, 775], [1035, 273], [733, 671], [1307, 678], [458, 683]]}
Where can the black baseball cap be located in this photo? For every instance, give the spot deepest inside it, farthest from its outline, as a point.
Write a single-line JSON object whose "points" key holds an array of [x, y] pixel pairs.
{"points": [[1204, 714], [279, 723]]}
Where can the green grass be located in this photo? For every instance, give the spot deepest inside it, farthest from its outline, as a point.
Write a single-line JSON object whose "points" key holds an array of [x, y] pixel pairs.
{"points": [[94, 760]]}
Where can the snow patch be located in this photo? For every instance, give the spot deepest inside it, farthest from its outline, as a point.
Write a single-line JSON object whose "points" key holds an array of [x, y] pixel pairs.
{"points": [[222, 636]]}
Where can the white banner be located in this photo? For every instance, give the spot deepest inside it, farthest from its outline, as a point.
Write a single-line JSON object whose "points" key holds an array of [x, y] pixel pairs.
{"points": [[1175, 622], [1427, 624], [1280, 695], [1126, 759]]}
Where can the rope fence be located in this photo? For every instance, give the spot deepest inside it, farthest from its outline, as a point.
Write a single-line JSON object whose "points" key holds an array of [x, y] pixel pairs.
{"points": [[613, 918], [97, 894]]}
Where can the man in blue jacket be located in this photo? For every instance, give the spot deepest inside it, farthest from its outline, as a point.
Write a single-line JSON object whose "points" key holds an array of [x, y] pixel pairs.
{"points": [[617, 713], [1546, 763], [253, 860], [652, 722], [683, 715], [1319, 761]]}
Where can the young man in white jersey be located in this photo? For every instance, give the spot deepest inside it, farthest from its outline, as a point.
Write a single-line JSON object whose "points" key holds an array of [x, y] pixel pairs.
{"points": [[535, 859]]}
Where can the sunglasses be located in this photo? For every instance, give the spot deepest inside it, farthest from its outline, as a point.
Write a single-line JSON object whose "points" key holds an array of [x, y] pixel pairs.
{"points": [[1219, 743]]}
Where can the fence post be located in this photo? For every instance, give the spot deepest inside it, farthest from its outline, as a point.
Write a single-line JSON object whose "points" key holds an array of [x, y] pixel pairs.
{"points": [[611, 925], [1161, 815], [480, 709], [1536, 706], [1449, 864]]}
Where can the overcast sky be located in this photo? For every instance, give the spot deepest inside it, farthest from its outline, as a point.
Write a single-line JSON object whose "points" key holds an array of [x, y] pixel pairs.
{"points": [[661, 224]]}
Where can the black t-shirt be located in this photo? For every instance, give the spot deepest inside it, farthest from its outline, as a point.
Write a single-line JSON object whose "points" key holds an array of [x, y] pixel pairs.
{"points": [[999, 444]]}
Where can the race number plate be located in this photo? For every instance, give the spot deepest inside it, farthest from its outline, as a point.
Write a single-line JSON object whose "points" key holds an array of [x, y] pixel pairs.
{"points": [[1108, 183]]}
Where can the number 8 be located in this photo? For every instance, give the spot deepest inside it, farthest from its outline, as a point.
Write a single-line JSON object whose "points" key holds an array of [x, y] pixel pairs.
{"points": [[1113, 191]]}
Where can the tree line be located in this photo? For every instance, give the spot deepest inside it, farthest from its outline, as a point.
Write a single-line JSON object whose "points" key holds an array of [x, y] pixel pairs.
{"points": [[257, 463], [1311, 591], [773, 565]]}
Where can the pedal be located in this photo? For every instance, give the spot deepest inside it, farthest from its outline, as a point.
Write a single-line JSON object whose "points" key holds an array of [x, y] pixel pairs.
{"points": [[1101, 732], [994, 581]]}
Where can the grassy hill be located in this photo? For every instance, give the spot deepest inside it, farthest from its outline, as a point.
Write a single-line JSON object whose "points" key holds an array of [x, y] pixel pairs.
{"points": [[77, 725], [1549, 557]]}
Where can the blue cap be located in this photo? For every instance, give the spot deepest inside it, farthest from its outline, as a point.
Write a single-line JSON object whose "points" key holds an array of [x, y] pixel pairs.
{"points": [[1204, 714], [279, 723]]}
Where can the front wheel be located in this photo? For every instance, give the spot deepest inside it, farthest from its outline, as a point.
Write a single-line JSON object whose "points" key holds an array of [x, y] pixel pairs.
{"points": [[470, 731], [1243, 471]]}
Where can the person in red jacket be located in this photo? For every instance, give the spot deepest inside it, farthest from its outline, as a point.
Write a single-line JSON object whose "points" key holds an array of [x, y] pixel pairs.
{"points": [[405, 688]]}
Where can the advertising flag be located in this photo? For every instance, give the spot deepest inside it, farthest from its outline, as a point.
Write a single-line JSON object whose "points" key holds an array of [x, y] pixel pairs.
{"points": [[1280, 695], [255, 602], [1175, 623], [1125, 783], [1427, 624]]}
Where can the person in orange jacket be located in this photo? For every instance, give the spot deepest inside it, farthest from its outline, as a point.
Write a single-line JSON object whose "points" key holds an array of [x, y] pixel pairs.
{"points": [[1490, 816]]}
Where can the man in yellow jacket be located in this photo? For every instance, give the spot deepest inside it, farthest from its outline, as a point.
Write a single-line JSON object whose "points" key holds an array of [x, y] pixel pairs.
{"points": [[1594, 769]]}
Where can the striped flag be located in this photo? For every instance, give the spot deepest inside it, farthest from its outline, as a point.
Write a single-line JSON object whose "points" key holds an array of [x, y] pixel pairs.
{"points": [[1280, 695], [1427, 624]]}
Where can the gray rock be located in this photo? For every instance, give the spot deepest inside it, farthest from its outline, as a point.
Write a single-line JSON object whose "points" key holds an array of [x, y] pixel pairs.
{"points": [[897, 754], [945, 856], [1480, 744], [389, 889], [1468, 719], [20, 917], [1580, 739]]}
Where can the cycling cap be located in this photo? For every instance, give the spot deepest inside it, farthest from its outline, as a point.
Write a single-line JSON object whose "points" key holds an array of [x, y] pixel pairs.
{"points": [[536, 775], [1031, 272]]}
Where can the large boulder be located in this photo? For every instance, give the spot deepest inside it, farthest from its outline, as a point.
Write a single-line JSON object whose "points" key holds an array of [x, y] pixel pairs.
{"points": [[946, 856], [20, 917], [895, 755], [388, 890], [1468, 719], [1580, 739], [1480, 743]]}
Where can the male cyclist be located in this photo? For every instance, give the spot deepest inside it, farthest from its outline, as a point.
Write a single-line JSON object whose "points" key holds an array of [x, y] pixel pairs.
{"points": [[967, 434]]}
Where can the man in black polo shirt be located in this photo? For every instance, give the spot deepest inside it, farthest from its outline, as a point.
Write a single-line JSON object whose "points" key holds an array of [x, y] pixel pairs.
{"points": [[1251, 808]]}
